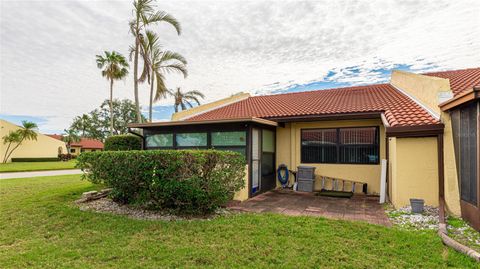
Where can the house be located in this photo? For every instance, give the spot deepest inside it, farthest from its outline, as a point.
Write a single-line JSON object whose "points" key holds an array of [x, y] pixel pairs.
{"points": [[84, 145], [43, 147], [424, 125]]}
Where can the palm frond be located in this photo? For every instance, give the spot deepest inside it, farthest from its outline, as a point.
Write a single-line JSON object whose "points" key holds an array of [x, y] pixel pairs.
{"points": [[162, 16], [175, 68], [161, 90]]}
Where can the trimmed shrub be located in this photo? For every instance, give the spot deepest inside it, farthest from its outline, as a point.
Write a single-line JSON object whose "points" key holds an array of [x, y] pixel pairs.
{"points": [[66, 157], [184, 181], [43, 159], [123, 142]]}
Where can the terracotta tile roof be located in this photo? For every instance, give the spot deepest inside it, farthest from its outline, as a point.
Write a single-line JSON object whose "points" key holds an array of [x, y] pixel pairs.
{"points": [[399, 109], [460, 80], [86, 143]]}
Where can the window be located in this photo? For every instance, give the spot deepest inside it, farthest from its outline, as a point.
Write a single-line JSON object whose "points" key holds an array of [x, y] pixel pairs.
{"points": [[192, 140], [229, 139], [72, 150], [232, 141], [159, 140], [342, 145]]}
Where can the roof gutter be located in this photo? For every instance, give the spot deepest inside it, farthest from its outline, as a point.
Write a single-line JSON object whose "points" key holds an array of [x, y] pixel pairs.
{"points": [[461, 99], [415, 131]]}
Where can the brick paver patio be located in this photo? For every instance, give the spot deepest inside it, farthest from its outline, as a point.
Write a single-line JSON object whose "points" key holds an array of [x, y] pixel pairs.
{"points": [[359, 207]]}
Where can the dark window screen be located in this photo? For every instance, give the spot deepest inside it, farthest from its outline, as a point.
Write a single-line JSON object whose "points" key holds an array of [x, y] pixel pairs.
{"points": [[341, 145]]}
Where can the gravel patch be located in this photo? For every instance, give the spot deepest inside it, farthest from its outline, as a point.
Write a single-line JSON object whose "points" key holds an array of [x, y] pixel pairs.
{"points": [[107, 205], [404, 218], [458, 229]]}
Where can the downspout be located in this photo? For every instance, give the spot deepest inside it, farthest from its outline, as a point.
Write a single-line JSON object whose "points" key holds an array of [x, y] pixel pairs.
{"points": [[139, 135], [442, 228]]}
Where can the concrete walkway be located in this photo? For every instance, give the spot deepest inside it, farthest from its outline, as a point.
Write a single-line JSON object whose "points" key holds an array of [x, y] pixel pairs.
{"points": [[40, 173]]}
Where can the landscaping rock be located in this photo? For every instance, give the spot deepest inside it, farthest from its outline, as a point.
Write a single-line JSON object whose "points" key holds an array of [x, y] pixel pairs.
{"points": [[94, 195], [107, 205]]}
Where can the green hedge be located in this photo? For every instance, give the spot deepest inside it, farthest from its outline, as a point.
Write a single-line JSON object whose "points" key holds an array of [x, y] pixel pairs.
{"points": [[185, 181], [44, 159], [123, 142]]}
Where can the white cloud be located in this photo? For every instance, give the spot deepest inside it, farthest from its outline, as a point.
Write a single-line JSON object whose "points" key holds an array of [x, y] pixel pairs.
{"points": [[48, 48]]}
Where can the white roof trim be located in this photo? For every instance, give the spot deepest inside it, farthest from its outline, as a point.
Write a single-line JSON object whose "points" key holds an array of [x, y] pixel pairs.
{"points": [[213, 108], [430, 111]]}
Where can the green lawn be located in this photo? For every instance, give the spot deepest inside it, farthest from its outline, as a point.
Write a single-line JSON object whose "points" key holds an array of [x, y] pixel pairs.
{"points": [[36, 166], [41, 227]]}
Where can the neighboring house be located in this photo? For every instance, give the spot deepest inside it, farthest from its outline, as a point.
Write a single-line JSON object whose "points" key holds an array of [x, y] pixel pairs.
{"points": [[412, 122], [43, 147], [84, 145]]}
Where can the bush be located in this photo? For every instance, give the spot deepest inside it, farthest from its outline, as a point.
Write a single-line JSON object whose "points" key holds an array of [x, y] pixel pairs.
{"points": [[123, 142], [185, 181], [43, 159], [66, 157]]}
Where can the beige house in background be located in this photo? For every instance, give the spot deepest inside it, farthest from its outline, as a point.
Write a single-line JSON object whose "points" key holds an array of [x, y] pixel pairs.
{"points": [[43, 147], [84, 145]]}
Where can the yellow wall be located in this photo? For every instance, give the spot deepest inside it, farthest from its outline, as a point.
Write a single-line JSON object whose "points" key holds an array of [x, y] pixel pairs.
{"points": [[413, 170], [206, 107], [288, 152], [43, 147], [426, 90], [242, 195], [77, 150]]}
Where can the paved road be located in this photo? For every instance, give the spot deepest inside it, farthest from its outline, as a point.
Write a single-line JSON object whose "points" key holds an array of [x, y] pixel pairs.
{"points": [[40, 173]]}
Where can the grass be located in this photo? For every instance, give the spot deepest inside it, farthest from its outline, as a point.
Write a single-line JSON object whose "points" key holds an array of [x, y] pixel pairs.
{"points": [[41, 227], [36, 166]]}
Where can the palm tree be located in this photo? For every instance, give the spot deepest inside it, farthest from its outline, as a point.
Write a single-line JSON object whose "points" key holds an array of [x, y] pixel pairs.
{"points": [[27, 132], [70, 137], [114, 67], [158, 63], [144, 15], [11, 138], [184, 99]]}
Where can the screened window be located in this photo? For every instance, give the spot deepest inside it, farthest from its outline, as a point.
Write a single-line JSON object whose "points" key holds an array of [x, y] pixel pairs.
{"points": [[341, 145], [465, 138], [192, 140], [232, 141], [229, 139], [160, 140]]}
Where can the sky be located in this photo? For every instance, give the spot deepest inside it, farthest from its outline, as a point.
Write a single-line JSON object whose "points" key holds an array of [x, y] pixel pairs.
{"points": [[47, 48]]}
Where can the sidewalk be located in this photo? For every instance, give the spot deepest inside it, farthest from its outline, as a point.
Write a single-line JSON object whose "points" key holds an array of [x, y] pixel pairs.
{"points": [[40, 173]]}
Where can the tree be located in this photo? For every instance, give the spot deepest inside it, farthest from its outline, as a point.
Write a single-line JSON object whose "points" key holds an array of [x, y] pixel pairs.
{"points": [[70, 137], [159, 62], [184, 99], [96, 123], [144, 15], [114, 67], [27, 132], [11, 138]]}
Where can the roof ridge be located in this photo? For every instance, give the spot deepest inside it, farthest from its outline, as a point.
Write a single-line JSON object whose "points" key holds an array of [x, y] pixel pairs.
{"points": [[358, 87], [450, 71]]}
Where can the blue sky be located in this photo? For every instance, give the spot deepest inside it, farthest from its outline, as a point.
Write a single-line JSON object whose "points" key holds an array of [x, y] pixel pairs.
{"points": [[48, 72]]}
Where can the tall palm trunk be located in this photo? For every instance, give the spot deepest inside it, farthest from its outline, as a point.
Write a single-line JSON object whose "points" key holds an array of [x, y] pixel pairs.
{"points": [[5, 157], [111, 106], [135, 71], [151, 98], [13, 149]]}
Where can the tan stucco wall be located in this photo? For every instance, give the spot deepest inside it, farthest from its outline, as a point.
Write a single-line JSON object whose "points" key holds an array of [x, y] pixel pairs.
{"points": [[426, 90], [206, 107], [288, 152], [413, 170], [242, 195], [43, 147]]}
